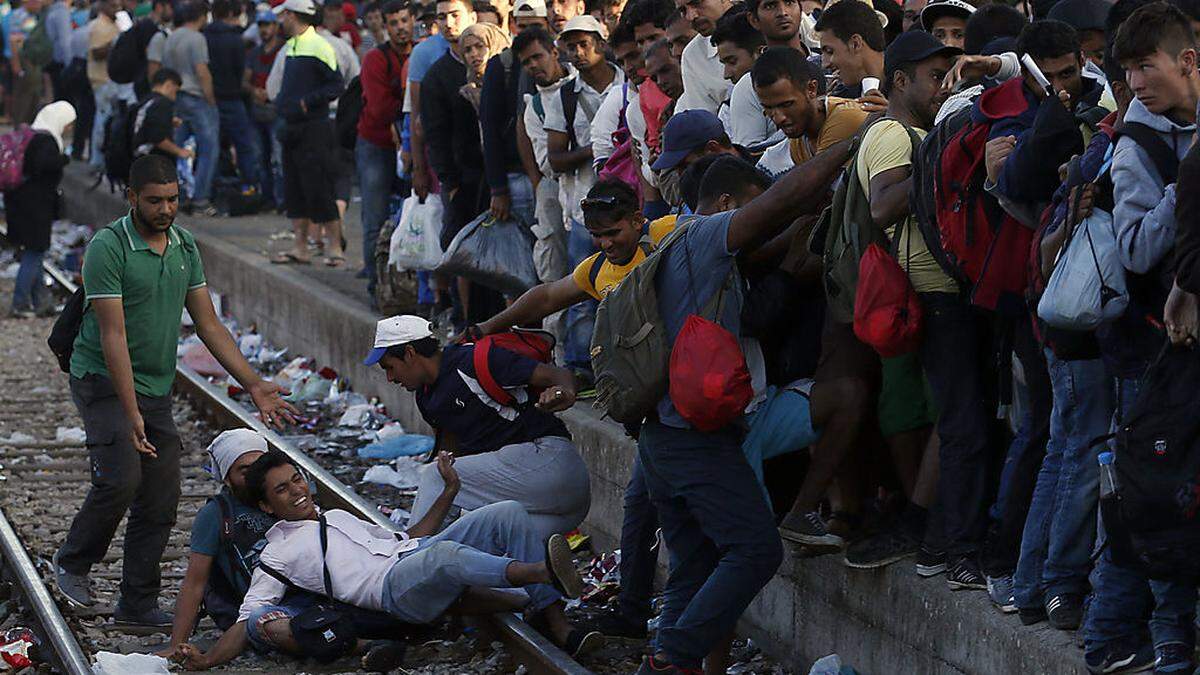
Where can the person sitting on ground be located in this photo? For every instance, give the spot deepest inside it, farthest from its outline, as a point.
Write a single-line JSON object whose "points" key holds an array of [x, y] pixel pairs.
{"points": [[519, 452], [413, 576], [154, 124]]}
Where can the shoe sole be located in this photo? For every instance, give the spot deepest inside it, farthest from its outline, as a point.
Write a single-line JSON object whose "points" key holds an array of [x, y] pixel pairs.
{"points": [[67, 596], [876, 564], [960, 586], [1123, 667], [139, 624], [926, 571], [830, 542], [1006, 609], [590, 643], [562, 566]]}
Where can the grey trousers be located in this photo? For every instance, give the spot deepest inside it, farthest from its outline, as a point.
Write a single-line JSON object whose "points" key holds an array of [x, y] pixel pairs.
{"points": [[124, 480], [546, 476]]}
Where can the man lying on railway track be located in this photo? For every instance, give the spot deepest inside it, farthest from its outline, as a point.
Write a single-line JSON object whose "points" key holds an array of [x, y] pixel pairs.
{"points": [[139, 274], [414, 576]]}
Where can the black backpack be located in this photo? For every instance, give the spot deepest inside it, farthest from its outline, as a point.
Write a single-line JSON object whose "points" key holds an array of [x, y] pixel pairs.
{"points": [[127, 59], [66, 328], [118, 143], [350, 105], [1153, 519], [240, 546]]}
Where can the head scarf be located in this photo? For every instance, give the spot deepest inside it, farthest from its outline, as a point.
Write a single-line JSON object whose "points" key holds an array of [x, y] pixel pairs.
{"points": [[53, 119], [492, 36]]}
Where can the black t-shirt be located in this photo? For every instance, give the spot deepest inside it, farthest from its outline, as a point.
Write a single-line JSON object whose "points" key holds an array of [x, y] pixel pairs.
{"points": [[457, 403], [152, 124]]}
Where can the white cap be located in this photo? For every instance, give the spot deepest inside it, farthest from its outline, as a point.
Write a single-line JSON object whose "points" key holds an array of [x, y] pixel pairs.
{"points": [[585, 23], [230, 445], [298, 6], [396, 330], [939, 8], [530, 9]]}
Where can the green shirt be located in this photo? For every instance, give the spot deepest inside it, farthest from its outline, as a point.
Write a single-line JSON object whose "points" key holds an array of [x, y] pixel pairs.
{"points": [[152, 287]]}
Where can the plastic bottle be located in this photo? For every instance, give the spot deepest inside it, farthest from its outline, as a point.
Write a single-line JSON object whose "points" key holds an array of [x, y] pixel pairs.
{"points": [[1108, 476]]}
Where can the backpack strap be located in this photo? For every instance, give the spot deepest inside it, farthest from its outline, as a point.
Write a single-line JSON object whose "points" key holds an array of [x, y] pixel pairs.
{"points": [[1166, 162], [570, 104], [226, 516], [483, 373], [324, 531], [597, 265]]}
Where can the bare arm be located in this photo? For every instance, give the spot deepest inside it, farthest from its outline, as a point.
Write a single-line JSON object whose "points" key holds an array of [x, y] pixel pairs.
{"points": [[168, 145], [525, 150], [204, 75], [191, 594], [152, 68], [232, 643], [558, 386], [110, 314], [436, 515], [889, 195], [797, 192], [216, 337], [535, 304], [561, 159]]}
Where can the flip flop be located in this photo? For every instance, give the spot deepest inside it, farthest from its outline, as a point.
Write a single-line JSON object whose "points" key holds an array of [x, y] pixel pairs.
{"points": [[289, 258], [335, 260]]}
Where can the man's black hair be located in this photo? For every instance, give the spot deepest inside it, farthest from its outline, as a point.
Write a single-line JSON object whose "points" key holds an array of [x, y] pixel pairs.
{"points": [[256, 473], [1047, 39], [393, 6], [990, 22], [424, 347], [847, 19], [223, 9], [661, 43], [785, 63], [1154, 27], [734, 26], [648, 11], [1117, 14], [529, 36], [676, 14], [152, 170], [166, 75], [622, 34], [187, 12], [732, 176], [479, 6], [1189, 7], [689, 181], [624, 203], [895, 20]]}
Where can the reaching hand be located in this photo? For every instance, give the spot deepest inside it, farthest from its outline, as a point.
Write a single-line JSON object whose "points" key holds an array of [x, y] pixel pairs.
{"points": [[268, 398], [970, 67], [445, 467], [500, 206], [996, 152], [1182, 317], [556, 399]]}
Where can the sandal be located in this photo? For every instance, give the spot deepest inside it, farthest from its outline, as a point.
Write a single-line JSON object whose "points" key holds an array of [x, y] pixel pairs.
{"points": [[289, 258], [335, 260]]}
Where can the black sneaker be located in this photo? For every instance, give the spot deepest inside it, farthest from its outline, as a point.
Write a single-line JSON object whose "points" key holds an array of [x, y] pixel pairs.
{"points": [[810, 530], [581, 641], [612, 623], [964, 575], [880, 550], [1174, 658], [150, 618], [652, 666], [1065, 611], [930, 563], [1031, 615], [1119, 656]]}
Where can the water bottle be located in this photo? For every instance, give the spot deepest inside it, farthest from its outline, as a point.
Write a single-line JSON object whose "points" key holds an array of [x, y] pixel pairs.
{"points": [[1108, 476]]}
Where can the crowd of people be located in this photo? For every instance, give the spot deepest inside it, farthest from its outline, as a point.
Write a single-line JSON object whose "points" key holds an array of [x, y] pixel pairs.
{"points": [[870, 228]]}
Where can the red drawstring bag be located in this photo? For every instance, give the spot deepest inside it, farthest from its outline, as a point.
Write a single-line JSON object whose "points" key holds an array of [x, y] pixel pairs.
{"points": [[887, 313], [710, 384]]}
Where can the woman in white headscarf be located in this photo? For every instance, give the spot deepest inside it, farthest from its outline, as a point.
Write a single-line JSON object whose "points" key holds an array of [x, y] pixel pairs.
{"points": [[33, 206]]}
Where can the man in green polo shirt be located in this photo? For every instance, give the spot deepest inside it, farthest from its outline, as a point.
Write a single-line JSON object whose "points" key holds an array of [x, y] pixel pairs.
{"points": [[139, 274]]}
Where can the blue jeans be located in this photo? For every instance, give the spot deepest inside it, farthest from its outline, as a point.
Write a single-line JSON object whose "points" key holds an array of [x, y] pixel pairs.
{"points": [[638, 557], [520, 191], [718, 529], [1124, 601], [272, 160], [582, 315], [235, 123], [474, 551], [201, 120], [28, 283], [376, 171]]}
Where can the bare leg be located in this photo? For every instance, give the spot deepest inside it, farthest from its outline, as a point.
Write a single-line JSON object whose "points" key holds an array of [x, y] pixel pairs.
{"points": [[556, 620], [838, 410], [301, 226], [526, 574], [907, 449], [333, 237], [486, 601]]}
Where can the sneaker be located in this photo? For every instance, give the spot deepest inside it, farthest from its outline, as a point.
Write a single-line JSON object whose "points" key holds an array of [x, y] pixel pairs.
{"points": [[76, 588], [581, 641], [1174, 657], [1031, 615], [612, 623], [383, 656], [880, 550], [153, 617], [1065, 611], [563, 574], [930, 563], [652, 666], [964, 575], [22, 313], [1000, 591], [1119, 656], [809, 529]]}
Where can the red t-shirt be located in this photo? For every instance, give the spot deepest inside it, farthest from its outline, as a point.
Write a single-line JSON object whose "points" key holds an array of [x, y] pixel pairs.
{"points": [[382, 80]]}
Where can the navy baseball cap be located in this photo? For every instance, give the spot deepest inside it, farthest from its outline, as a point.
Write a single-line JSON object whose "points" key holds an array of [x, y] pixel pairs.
{"points": [[913, 46], [685, 133]]}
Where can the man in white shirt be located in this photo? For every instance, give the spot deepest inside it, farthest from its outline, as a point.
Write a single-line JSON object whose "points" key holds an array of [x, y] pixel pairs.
{"points": [[413, 576], [704, 84]]}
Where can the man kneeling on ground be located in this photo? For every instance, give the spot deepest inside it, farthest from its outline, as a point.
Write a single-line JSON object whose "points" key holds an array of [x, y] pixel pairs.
{"points": [[411, 576]]}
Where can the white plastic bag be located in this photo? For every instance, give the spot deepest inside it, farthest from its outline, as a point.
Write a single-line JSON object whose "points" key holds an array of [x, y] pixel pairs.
{"points": [[1087, 286], [416, 241], [110, 663]]}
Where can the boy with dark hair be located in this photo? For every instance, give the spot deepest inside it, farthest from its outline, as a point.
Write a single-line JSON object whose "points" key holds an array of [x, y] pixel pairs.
{"points": [[227, 65], [738, 43], [1157, 49], [852, 44], [154, 122], [704, 86], [779, 22], [991, 22], [679, 32], [946, 20]]}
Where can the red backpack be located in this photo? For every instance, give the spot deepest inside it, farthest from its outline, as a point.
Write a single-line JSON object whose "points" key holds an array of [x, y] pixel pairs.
{"points": [[534, 344], [12, 157], [986, 246]]}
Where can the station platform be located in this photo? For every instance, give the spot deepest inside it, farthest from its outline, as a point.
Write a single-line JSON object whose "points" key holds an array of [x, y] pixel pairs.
{"points": [[880, 622]]}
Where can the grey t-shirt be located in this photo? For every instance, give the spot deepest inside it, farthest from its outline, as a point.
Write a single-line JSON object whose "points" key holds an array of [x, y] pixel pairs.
{"points": [[183, 50], [154, 50]]}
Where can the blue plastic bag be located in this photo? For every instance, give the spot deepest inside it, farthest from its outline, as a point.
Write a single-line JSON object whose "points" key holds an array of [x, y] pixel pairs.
{"points": [[405, 445]]}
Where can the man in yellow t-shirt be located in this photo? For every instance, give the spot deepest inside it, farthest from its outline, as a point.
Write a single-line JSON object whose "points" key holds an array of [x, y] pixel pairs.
{"points": [[614, 219]]}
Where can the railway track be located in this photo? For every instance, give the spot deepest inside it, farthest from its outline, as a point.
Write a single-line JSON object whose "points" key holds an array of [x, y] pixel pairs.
{"points": [[45, 478]]}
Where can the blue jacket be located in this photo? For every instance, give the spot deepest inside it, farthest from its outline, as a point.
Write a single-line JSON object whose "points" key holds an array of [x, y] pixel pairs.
{"points": [[310, 76]]}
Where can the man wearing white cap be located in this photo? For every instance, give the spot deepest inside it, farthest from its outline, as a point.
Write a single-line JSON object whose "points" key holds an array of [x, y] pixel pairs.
{"points": [[520, 451], [946, 20], [221, 562]]}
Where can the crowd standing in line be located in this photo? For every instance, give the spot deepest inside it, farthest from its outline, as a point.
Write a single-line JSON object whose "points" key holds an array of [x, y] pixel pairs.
{"points": [[931, 253]]}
